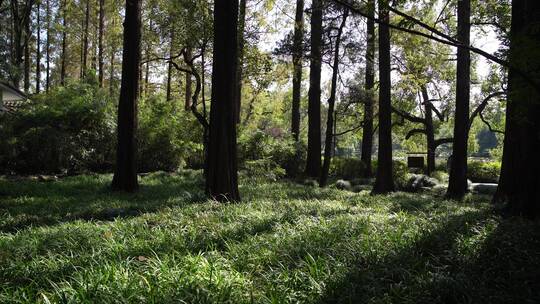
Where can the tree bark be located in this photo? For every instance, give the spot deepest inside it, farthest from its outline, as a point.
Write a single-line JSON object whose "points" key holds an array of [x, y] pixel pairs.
{"points": [[457, 185], [26, 47], [38, 48], [21, 35], [85, 40], [100, 40], [313, 161], [111, 68], [430, 131], [240, 66], [297, 66], [48, 48], [222, 179], [384, 181], [125, 175], [330, 125], [64, 44], [189, 83], [169, 67], [519, 184], [367, 130]]}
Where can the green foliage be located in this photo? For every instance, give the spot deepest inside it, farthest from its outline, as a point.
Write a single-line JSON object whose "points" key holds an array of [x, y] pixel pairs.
{"points": [[441, 176], [73, 241], [73, 129], [268, 151], [69, 129], [400, 172], [166, 137], [347, 168], [483, 172]]}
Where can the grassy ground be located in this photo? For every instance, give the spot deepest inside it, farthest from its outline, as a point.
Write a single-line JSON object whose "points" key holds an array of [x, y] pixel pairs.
{"points": [[73, 241]]}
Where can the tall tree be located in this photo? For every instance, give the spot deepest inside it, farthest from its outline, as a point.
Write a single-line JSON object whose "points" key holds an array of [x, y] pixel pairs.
{"points": [[367, 129], [20, 18], [222, 177], [428, 127], [384, 181], [297, 68], [26, 47], [84, 59], [170, 66], [64, 44], [330, 126], [100, 40], [240, 66], [38, 47], [189, 82], [519, 184], [313, 161], [125, 174], [457, 185], [48, 46]]}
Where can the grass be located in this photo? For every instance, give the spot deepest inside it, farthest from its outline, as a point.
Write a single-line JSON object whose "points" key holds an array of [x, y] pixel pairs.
{"points": [[73, 241]]}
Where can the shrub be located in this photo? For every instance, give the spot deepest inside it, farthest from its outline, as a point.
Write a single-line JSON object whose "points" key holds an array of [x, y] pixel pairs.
{"points": [[347, 168], [166, 137], [483, 172], [72, 129], [441, 176], [69, 129], [263, 168], [265, 150], [400, 172]]}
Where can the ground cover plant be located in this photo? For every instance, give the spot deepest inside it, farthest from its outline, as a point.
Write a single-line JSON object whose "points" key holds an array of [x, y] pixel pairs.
{"points": [[73, 241]]}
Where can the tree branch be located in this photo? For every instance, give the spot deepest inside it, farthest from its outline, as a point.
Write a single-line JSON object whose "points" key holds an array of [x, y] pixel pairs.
{"points": [[446, 39], [408, 116], [483, 105], [489, 125], [415, 131], [349, 130]]}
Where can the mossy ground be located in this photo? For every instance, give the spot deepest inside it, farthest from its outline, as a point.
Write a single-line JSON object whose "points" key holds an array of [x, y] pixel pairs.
{"points": [[73, 241]]}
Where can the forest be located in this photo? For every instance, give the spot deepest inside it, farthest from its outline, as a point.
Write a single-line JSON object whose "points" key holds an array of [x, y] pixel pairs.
{"points": [[269, 151]]}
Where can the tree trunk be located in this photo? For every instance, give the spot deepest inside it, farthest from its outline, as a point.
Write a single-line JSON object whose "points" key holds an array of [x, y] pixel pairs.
{"points": [[64, 44], [20, 18], [457, 185], [367, 130], [297, 66], [26, 47], [430, 132], [48, 48], [125, 175], [100, 40], [222, 179], [329, 138], [38, 48], [313, 161], [519, 184], [169, 67], [85, 40], [240, 67], [111, 68], [189, 82], [384, 181]]}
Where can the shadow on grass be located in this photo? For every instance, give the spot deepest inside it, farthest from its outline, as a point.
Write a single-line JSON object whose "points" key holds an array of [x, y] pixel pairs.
{"points": [[506, 267], [25, 203], [426, 271]]}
